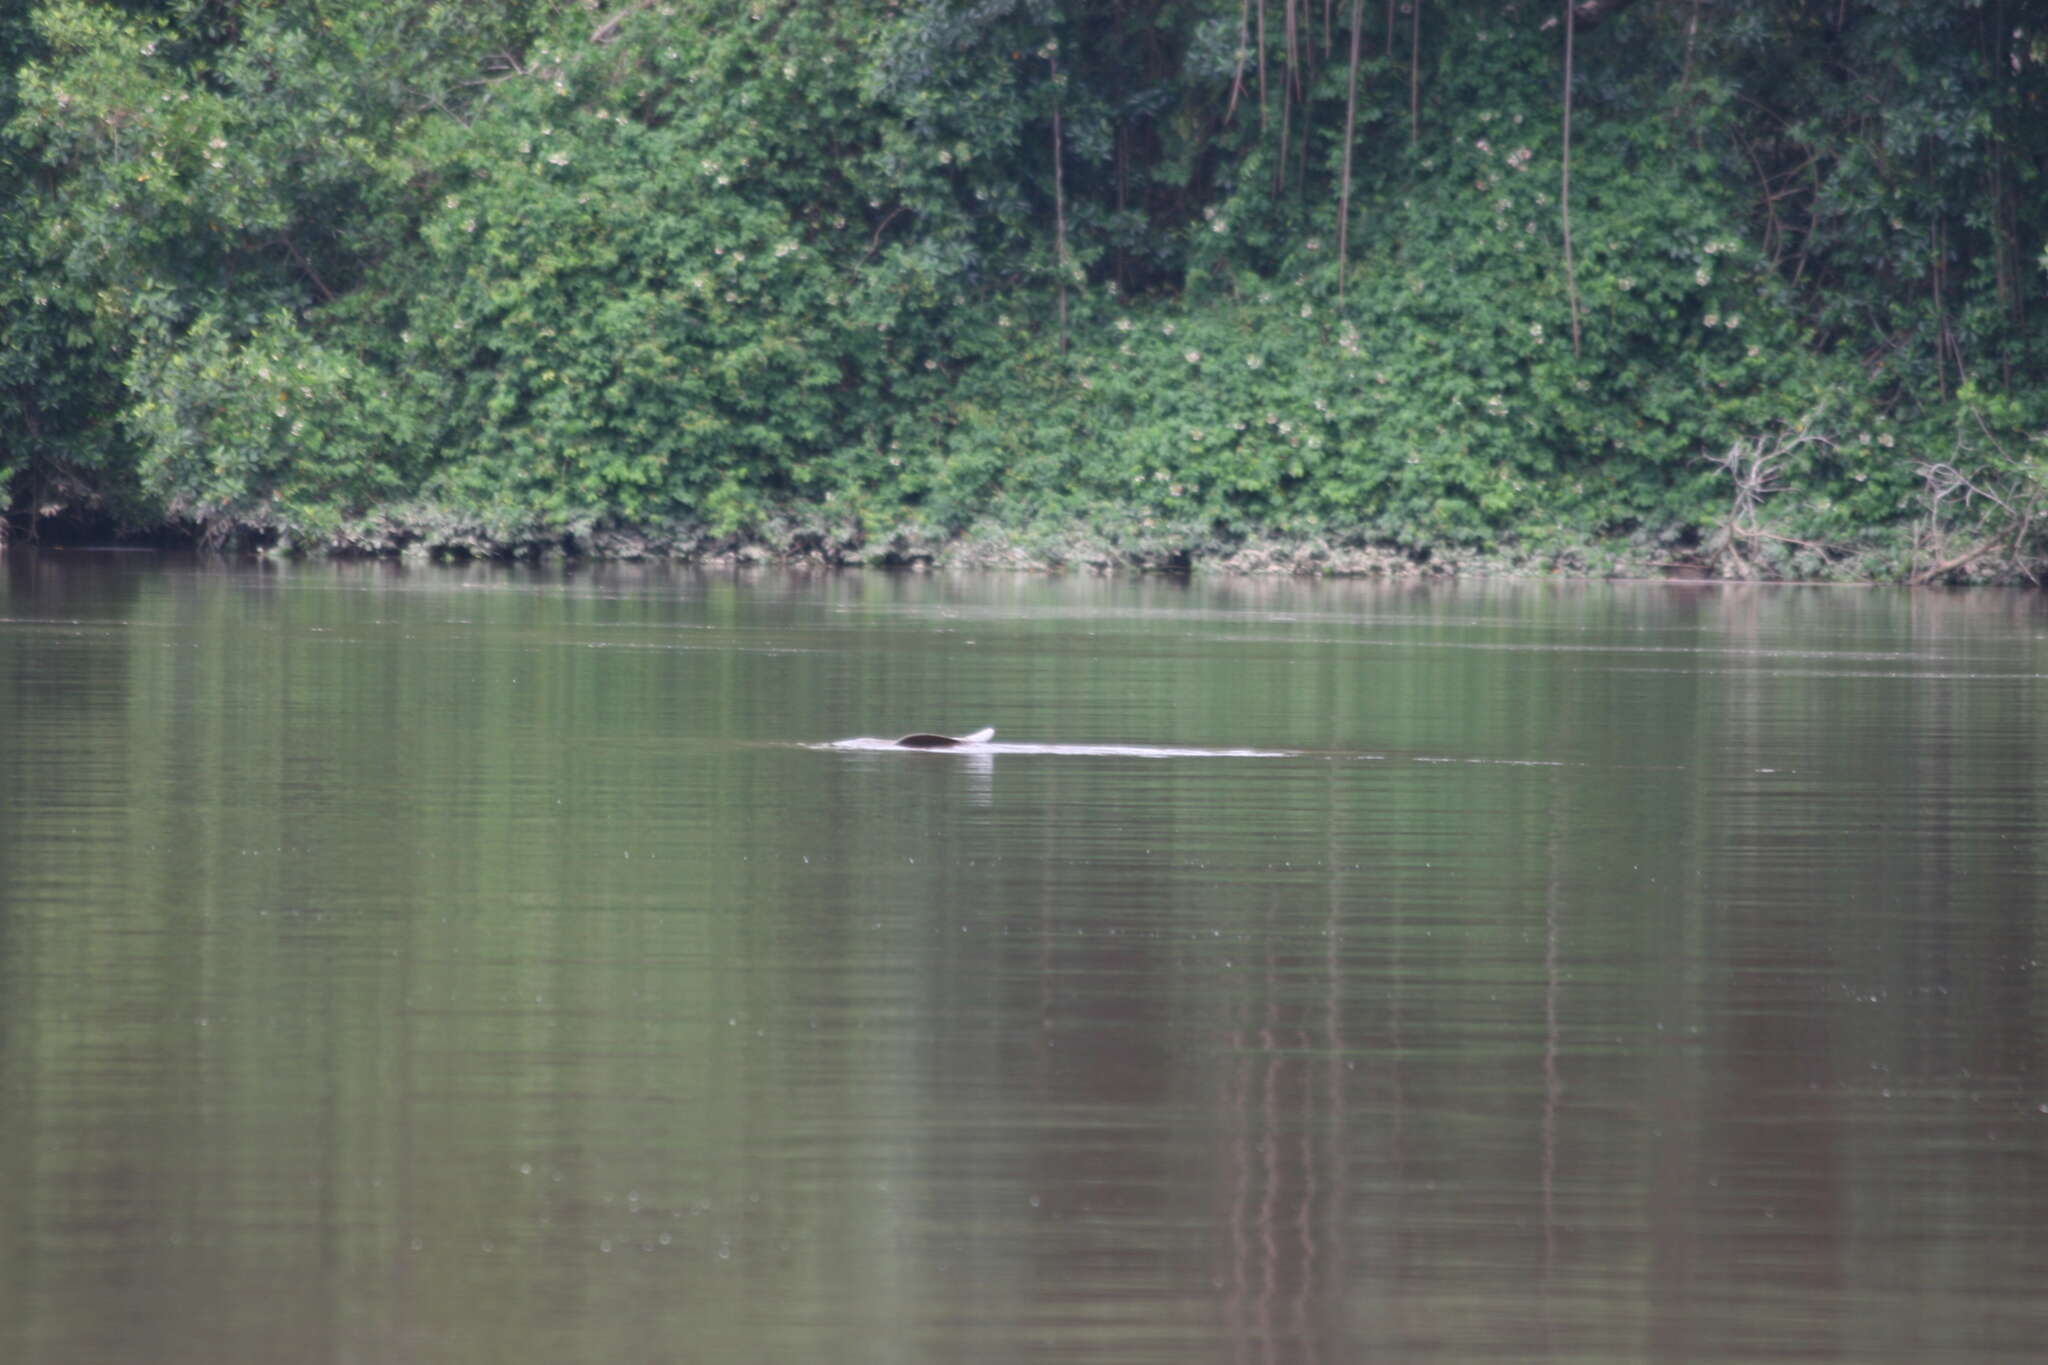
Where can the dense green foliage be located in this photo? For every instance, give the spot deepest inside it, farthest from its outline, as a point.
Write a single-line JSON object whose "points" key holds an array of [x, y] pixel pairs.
{"points": [[1037, 280]]}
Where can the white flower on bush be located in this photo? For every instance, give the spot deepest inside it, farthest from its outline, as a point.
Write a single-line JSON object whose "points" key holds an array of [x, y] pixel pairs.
{"points": [[1252, 362], [1194, 357]]}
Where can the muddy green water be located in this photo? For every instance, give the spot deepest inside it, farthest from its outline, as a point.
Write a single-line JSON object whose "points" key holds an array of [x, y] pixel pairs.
{"points": [[481, 965]]}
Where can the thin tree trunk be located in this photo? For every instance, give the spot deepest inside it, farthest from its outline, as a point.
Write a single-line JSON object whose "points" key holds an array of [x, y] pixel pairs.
{"points": [[1262, 67], [1244, 39], [1941, 315], [1692, 29], [1564, 193], [1286, 91], [1059, 198], [1350, 133], [1415, 73]]}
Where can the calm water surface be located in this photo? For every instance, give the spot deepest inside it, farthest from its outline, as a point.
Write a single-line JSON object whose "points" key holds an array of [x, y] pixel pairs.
{"points": [[488, 965]]}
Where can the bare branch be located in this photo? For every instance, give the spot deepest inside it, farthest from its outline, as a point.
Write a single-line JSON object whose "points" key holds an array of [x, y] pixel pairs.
{"points": [[1756, 466], [609, 29]]}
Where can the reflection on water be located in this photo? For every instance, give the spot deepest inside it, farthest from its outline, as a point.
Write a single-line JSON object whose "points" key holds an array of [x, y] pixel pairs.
{"points": [[491, 964]]}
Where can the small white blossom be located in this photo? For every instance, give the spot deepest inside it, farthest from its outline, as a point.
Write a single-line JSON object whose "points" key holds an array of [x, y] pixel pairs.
{"points": [[1253, 362], [1194, 357]]}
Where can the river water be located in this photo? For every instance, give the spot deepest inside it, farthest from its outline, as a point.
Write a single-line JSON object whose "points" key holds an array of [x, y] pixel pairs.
{"points": [[504, 965]]}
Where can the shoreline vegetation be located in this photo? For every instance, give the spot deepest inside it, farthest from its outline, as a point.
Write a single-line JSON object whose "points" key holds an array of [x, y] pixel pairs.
{"points": [[799, 542], [1755, 289]]}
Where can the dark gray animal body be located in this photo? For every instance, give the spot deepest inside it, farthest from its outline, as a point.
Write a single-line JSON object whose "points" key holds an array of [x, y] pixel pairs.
{"points": [[923, 741]]}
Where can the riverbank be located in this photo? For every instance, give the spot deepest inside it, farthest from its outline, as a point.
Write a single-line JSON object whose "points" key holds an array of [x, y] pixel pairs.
{"points": [[1112, 543]]}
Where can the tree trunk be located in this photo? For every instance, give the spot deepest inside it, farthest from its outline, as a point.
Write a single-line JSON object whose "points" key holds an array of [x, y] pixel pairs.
{"points": [[1564, 195], [1350, 136]]}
